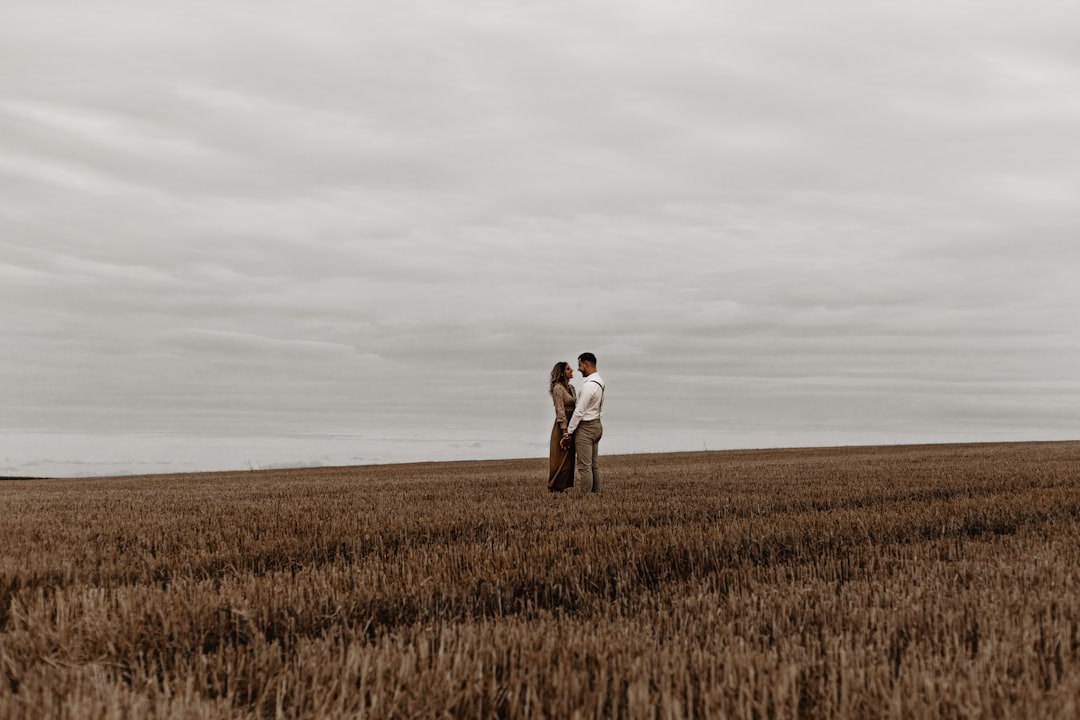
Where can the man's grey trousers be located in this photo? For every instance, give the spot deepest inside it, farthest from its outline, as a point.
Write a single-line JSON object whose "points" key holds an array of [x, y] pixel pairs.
{"points": [[587, 448]]}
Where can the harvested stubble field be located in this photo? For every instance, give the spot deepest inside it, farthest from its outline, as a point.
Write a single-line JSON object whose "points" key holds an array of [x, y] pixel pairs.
{"points": [[899, 582]]}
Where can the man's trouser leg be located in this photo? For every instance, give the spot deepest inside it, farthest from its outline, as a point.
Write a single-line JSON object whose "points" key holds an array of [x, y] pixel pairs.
{"points": [[587, 447]]}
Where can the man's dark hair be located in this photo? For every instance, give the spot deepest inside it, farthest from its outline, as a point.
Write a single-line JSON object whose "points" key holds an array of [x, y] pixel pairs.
{"points": [[587, 357]]}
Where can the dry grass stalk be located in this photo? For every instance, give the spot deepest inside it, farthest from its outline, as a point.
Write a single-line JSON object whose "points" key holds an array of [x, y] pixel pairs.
{"points": [[909, 582]]}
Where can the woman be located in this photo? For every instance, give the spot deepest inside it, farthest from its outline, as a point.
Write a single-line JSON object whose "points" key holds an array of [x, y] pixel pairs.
{"points": [[560, 459]]}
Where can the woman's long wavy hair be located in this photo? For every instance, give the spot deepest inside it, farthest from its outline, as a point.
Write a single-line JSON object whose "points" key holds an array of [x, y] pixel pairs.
{"points": [[558, 376]]}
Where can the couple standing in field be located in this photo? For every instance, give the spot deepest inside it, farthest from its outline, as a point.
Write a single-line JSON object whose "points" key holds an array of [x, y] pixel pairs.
{"points": [[575, 438]]}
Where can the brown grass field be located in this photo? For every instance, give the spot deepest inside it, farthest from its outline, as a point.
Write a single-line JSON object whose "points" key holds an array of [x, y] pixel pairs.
{"points": [[937, 581]]}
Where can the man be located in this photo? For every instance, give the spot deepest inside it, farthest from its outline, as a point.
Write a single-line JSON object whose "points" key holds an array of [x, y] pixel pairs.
{"points": [[584, 427]]}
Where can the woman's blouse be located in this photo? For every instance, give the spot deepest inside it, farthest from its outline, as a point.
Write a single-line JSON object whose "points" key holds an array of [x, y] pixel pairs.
{"points": [[565, 399]]}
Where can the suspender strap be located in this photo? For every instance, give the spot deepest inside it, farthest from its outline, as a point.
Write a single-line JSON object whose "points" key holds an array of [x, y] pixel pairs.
{"points": [[601, 394]]}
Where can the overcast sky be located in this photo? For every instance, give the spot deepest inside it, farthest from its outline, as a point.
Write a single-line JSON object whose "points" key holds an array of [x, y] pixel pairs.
{"points": [[254, 233]]}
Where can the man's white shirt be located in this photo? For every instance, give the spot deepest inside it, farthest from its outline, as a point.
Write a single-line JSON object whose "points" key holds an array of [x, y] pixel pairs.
{"points": [[589, 402]]}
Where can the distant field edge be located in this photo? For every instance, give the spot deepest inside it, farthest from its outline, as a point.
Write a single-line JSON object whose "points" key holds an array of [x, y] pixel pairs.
{"points": [[742, 454]]}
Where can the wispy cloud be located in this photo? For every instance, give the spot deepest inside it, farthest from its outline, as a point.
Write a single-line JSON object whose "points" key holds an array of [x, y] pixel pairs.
{"points": [[278, 220]]}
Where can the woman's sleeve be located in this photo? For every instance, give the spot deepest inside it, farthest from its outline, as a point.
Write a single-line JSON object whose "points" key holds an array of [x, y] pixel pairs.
{"points": [[560, 405]]}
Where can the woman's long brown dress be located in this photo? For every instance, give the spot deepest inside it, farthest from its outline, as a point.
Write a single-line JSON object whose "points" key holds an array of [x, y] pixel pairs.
{"points": [[561, 462]]}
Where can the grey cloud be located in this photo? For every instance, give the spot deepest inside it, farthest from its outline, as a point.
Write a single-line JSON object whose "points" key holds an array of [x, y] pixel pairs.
{"points": [[225, 343], [241, 218]]}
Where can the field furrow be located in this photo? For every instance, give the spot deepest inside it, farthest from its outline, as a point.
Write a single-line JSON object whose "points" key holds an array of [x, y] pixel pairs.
{"points": [[898, 582]]}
